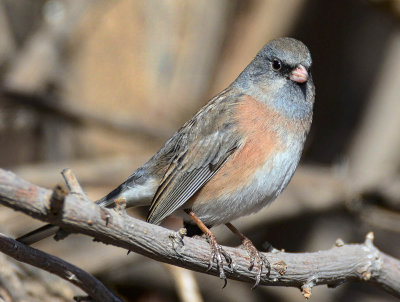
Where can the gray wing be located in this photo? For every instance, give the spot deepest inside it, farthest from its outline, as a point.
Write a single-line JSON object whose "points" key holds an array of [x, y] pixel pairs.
{"points": [[202, 146]]}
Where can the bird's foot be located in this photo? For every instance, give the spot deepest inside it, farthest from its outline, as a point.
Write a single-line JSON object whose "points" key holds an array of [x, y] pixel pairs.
{"points": [[218, 254], [257, 259]]}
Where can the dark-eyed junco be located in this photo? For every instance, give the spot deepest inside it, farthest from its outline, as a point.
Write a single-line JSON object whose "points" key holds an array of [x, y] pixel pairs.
{"points": [[235, 155]]}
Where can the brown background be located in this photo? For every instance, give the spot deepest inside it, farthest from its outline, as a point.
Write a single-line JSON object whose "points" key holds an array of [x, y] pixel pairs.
{"points": [[98, 86]]}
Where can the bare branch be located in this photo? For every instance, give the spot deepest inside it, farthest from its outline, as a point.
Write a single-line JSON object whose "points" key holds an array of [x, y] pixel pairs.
{"points": [[24, 253], [53, 105], [303, 270]]}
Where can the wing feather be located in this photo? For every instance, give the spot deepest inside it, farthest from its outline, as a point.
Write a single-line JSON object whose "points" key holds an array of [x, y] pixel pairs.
{"points": [[201, 148]]}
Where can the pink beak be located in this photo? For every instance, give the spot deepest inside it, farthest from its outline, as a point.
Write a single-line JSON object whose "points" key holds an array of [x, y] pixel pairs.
{"points": [[299, 75]]}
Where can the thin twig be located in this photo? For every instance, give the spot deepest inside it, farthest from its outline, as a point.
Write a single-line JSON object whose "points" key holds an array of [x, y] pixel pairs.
{"points": [[72, 182], [303, 270]]}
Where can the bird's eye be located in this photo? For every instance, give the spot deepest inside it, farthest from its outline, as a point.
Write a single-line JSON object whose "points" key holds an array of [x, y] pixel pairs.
{"points": [[276, 64]]}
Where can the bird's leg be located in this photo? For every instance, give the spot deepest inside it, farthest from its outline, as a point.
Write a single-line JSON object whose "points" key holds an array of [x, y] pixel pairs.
{"points": [[255, 256], [217, 252]]}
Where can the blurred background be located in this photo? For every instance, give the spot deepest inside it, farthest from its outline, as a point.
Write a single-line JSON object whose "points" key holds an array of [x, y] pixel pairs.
{"points": [[98, 86]]}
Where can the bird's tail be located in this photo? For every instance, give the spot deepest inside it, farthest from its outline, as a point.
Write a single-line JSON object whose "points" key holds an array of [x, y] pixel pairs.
{"points": [[108, 201], [38, 234], [133, 194]]}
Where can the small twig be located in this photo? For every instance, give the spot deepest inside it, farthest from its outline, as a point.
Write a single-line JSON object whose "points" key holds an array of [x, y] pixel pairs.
{"points": [[72, 182], [306, 287], [24, 253], [75, 188]]}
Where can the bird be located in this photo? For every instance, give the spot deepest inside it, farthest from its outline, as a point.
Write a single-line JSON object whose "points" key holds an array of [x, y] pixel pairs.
{"points": [[233, 157]]}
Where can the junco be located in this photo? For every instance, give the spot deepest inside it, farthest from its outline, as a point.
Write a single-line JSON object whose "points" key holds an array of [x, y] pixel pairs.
{"points": [[235, 156]]}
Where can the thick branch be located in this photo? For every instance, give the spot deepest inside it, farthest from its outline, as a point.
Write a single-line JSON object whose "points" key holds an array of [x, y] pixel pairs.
{"points": [[303, 270]]}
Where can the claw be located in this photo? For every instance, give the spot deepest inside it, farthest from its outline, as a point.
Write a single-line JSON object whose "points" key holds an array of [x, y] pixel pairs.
{"points": [[217, 252], [256, 259], [210, 263], [217, 256]]}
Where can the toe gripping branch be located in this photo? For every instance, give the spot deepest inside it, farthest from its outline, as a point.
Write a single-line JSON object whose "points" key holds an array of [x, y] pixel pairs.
{"points": [[257, 259], [218, 254]]}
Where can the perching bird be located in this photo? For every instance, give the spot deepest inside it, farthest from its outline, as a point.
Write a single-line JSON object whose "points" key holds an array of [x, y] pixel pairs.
{"points": [[235, 156]]}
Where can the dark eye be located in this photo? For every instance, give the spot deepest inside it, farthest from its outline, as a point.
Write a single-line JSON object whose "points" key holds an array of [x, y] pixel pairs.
{"points": [[276, 65]]}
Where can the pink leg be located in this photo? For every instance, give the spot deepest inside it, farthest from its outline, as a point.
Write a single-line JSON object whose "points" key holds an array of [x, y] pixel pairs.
{"points": [[255, 256], [217, 253]]}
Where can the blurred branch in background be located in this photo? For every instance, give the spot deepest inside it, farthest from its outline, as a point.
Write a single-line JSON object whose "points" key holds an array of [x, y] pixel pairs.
{"points": [[374, 155], [186, 284], [255, 20], [51, 105], [37, 64], [7, 43]]}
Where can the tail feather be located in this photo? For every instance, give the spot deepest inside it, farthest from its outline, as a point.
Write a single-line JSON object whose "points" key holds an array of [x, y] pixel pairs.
{"points": [[108, 200], [134, 195], [38, 234]]}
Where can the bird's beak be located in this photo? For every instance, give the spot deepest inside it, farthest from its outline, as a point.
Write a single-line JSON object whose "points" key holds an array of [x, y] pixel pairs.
{"points": [[299, 74]]}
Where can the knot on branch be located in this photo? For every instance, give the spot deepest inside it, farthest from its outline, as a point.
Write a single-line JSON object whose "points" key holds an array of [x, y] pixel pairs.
{"points": [[58, 196], [120, 205], [339, 242], [280, 267], [306, 287], [177, 239], [374, 264], [57, 201]]}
